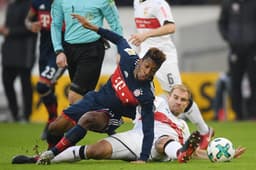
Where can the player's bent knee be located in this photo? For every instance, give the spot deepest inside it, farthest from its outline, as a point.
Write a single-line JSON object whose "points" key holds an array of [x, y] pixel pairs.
{"points": [[43, 88], [162, 142], [100, 150], [59, 126], [73, 97], [94, 120]]}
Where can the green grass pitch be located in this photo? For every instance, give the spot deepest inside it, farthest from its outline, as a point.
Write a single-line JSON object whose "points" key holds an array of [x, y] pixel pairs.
{"points": [[18, 138]]}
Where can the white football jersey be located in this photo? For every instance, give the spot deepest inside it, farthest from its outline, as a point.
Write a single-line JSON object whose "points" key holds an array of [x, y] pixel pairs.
{"points": [[151, 14], [166, 123]]}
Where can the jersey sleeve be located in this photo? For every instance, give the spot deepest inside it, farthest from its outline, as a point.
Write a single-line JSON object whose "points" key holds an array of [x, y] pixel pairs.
{"points": [[56, 25], [163, 13], [147, 116], [123, 47], [148, 129]]}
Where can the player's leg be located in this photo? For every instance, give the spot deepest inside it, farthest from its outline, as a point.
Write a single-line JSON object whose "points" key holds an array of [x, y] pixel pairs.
{"points": [[68, 119], [119, 146], [8, 76], [194, 115], [57, 128], [100, 150], [167, 147], [71, 154], [251, 72], [91, 120], [27, 90], [237, 69], [49, 73], [50, 100], [188, 148]]}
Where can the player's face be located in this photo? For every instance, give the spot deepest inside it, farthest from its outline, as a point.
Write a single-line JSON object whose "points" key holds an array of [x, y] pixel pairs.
{"points": [[178, 100], [145, 70]]}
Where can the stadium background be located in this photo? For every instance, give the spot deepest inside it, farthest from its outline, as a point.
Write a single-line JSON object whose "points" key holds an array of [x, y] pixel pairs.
{"points": [[202, 58]]}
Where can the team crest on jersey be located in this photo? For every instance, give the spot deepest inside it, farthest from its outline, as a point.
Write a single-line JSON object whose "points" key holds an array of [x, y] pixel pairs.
{"points": [[137, 92], [130, 51]]}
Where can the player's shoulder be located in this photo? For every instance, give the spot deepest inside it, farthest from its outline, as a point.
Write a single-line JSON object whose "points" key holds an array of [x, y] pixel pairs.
{"points": [[160, 102], [159, 99]]}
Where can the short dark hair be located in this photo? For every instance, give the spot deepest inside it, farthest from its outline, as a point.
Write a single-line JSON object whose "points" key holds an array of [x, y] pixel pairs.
{"points": [[156, 55]]}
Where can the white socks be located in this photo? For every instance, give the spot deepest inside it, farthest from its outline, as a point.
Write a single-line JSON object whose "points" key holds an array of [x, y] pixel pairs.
{"points": [[194, 115], [71, 154], [171, 149]]}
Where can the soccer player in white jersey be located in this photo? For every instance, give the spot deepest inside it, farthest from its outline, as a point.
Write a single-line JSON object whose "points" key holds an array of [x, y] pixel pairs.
{"points": [[155, 25], [172, 138]]}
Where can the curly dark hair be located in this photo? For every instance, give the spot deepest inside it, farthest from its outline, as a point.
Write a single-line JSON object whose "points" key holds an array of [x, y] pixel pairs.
{"points": [[156, 55]]}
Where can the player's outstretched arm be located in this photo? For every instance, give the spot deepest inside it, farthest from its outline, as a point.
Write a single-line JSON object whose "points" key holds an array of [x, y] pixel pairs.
{"points": [[202, 154], [86, 24]]}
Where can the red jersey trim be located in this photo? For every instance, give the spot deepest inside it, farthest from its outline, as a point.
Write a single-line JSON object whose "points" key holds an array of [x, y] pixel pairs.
{"points": [[164, 119], [43, 79], [68, 118]]}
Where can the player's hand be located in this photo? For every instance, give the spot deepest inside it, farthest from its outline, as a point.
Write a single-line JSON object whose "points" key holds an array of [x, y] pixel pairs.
{"points": [[137, 39], [61, 60], [200, 154], [35, 27], [138, 162], [4, 31], [239, 151]]}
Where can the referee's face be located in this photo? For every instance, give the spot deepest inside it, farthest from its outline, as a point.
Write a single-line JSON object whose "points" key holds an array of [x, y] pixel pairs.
{"points": [[145, 69]]}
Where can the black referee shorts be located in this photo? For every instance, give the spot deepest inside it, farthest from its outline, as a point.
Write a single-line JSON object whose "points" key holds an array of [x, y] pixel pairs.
{"points": [[84, 64]]}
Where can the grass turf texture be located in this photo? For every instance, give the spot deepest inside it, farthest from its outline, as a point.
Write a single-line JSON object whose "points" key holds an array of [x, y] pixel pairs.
{"points": [[21, 138]]}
